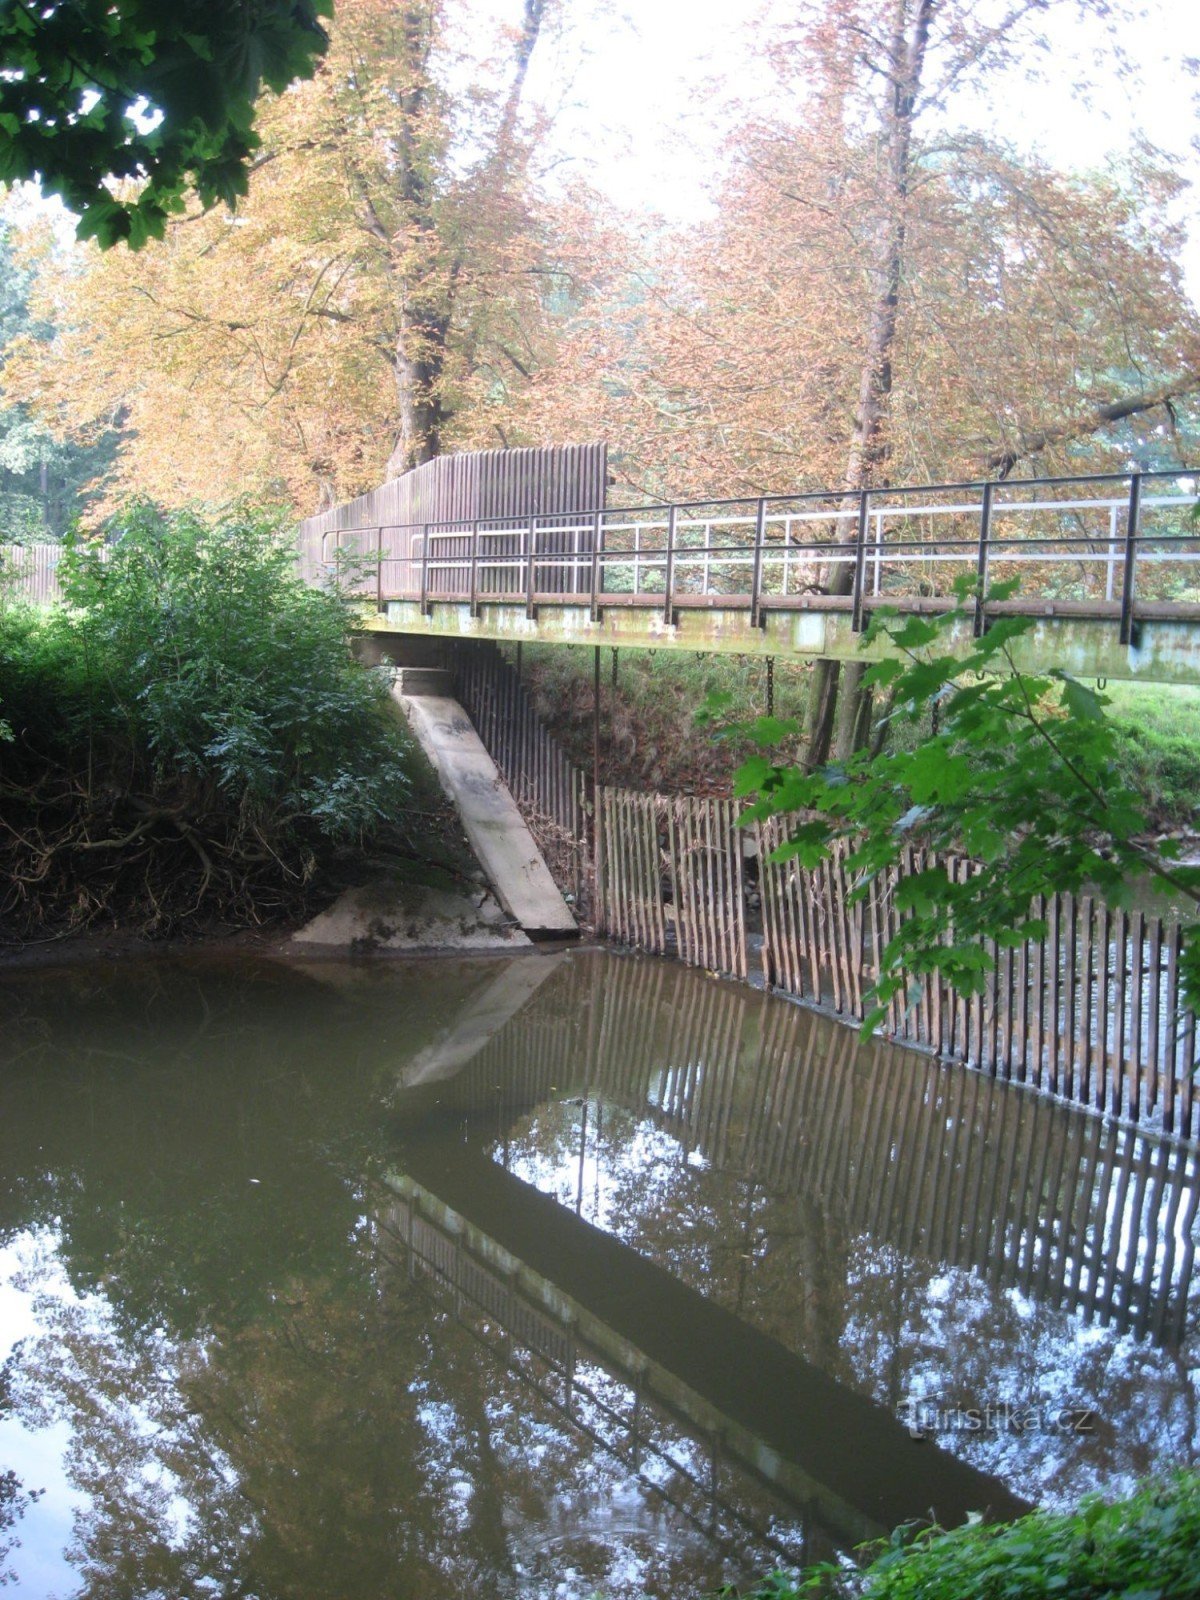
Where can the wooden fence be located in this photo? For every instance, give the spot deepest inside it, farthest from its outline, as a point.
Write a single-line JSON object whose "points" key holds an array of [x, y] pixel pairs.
{"points": [[32, 572], [422, 521], [1093, 1013], [669, 877]]}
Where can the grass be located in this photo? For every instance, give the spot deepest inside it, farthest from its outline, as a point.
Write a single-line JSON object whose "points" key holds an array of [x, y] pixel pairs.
{"points": [[1160, 744], [649, 738]]}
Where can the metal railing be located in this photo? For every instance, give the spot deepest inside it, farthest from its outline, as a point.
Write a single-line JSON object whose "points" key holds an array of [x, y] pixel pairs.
{"points": [[1102, 545]]}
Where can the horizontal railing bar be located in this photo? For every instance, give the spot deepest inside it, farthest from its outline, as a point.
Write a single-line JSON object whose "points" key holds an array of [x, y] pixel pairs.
{"points": [[516, 528], [1006, 486], [744, 553]]}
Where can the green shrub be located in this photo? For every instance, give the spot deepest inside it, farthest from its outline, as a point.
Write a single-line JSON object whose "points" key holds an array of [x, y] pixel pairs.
{"points": [[1146, 1547], [189, 731]]}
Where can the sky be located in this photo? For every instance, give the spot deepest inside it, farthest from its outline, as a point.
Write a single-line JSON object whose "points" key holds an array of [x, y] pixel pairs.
{"points": [[642, 119]]}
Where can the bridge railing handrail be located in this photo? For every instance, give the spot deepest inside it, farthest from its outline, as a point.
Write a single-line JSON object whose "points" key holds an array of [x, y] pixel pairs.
{"points": [[706, 543]]}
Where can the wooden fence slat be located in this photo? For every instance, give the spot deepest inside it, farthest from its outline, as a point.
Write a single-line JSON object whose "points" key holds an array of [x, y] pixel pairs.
{"points": [[1137, 950], [1113, 1046]]}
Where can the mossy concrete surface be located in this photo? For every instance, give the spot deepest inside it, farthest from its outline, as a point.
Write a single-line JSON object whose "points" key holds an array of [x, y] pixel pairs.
{"points": [[1164, 649]]}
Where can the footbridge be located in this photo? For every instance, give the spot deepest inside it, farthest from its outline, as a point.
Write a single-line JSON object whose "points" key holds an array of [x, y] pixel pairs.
{"points": [[521, 546]]}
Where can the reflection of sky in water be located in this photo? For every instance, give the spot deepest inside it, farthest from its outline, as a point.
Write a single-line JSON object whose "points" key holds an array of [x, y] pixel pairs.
{"points": [[222, 1386], [893, 1324], [49, 1330], [102, 1422], [36, 1451]]}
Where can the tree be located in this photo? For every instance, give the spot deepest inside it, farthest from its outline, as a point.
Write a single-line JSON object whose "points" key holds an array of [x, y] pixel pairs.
{"points": [[191, 738], [886, 294], [157, 92], [380, 284], [44, 479]]}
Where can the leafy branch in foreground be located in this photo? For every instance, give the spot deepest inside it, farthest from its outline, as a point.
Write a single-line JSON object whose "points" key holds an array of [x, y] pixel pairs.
{"points": [[1021, 777], [160, 92]]}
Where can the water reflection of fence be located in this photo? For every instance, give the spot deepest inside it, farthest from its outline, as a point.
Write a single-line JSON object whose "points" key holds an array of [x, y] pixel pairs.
{"points": [[951, 1166], [612, 1395]]}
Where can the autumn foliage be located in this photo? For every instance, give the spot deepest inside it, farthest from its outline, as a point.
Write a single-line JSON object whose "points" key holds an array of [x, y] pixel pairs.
{"points": [[886, 291]]}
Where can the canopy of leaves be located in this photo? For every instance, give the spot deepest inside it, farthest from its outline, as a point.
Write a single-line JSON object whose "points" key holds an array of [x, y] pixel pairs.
{"points": [[382, 281], [161, 92], [46, 480], [1017, 299]]}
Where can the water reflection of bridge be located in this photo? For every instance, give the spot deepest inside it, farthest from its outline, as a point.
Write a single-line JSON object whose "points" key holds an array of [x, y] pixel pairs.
{"points": [[706, 1408], [678, 1442], [946, 1165]]}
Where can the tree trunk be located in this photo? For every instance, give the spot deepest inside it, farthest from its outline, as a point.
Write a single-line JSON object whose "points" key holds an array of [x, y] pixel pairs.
{"points": [[853, 726], [419, 367], [427, 271], [866, 465], [819, 713]]}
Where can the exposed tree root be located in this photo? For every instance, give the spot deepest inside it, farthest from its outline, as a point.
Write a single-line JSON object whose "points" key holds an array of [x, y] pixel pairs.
{"points": [[156, 864]]}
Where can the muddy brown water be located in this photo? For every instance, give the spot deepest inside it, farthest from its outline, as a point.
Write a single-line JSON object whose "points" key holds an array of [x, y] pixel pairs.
{"points": [[553, 1276]]}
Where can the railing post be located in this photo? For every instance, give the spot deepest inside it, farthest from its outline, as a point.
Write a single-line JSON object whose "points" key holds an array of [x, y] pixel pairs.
{"points": [[1127, 574], [473, 596], [530, 550], [597, 544], [860, 561], [669, 579], [981, 565], [760, 526], [379, 572], [425, 569]]}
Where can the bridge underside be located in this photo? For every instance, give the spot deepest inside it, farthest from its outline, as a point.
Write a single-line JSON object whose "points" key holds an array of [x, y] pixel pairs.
{"points": [[1082, 638]]}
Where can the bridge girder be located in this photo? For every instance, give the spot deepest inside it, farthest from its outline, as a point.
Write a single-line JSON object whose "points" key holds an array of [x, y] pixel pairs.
{"points": [[1165, 644]]}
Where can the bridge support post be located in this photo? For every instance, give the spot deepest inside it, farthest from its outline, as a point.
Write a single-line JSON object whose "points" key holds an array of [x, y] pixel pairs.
{"points": [[860, 561], [1127, 571], [760, 524], [425, 570], [530, 552], [669, 598], [473, 606], [597, 545], [981, 565]]}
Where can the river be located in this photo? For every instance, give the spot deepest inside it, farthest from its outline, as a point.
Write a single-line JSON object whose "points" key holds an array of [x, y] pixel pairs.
{"points": [[552, 1276]]}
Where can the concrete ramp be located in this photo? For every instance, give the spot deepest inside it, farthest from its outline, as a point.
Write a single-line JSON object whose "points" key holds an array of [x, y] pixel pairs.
{"points": [[499, 837]]}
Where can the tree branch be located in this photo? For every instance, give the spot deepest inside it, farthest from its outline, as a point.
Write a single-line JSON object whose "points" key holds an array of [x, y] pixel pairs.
{"points": [[1003, 458]]}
